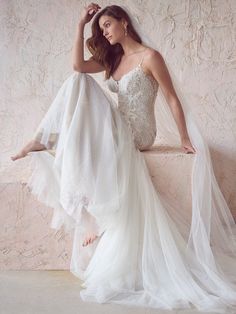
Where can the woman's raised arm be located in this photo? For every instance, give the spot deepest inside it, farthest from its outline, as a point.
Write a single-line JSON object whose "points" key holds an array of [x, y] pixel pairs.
{"points": [[79, 64]]}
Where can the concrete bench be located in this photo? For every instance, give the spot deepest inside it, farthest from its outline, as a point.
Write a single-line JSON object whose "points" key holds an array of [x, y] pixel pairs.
{"points": [[28, 242]]}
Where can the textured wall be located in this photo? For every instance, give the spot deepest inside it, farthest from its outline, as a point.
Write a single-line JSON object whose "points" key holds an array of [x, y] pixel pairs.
{"points": [[197, 39]]}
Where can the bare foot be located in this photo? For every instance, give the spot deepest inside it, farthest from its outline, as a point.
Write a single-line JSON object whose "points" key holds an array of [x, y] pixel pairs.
{"points": [[89, 238], [30, 147]]}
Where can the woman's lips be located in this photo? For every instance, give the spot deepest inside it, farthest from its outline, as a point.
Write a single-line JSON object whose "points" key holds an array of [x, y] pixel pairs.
{"points": [[109, 37]]}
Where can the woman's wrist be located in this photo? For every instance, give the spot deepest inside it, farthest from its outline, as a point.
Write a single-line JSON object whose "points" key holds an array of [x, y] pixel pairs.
{"points": [[81, 24], [184, 138]]}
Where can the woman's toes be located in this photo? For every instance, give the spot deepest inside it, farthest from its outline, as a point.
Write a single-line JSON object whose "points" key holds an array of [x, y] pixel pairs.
{"points": [[30, 147], [85, 243], [95, 237], [92, 239], [89, 240], [18, 156]]}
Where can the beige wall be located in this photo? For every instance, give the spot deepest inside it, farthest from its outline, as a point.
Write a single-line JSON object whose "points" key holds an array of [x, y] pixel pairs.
{"points": [[197, 39]]}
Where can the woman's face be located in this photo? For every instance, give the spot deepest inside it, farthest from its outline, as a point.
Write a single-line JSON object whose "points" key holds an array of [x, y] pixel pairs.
{"points": [[112, 29]]}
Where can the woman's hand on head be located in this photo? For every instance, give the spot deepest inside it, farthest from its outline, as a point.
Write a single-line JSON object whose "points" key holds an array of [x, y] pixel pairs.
{"points": [[88, 12]]}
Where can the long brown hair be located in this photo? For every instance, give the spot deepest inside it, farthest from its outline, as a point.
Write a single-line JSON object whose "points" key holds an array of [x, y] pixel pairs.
{"points": [[104, 53]]}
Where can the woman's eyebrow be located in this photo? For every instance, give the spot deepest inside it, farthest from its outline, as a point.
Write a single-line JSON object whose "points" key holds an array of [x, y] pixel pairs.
{"points": [[104, 23]]}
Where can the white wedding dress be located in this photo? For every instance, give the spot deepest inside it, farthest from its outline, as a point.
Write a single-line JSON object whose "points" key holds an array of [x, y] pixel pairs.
{"points": [[145, 254]]}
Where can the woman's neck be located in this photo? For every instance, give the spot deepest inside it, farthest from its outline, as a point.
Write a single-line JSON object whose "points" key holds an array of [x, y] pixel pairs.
{"points": [[130, 46]]}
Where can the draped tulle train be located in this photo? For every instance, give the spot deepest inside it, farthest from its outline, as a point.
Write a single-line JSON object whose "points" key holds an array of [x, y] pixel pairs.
{"points": [[144, 255]]}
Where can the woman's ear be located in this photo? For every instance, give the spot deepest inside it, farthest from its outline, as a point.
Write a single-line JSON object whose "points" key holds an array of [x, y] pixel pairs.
{"points": [[124, 22]]}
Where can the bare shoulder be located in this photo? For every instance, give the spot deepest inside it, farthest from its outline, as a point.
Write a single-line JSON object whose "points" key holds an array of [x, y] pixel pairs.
{"points": [[153, 59], [153, 56]]}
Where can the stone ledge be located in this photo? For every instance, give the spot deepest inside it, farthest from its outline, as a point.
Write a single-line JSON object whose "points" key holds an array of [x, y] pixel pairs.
{"points": [[19, 170], [165, 149], [28, 242]]}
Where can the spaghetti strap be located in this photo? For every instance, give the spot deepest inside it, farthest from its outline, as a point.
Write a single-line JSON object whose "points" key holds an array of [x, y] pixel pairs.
{"points": [[142, 58]]}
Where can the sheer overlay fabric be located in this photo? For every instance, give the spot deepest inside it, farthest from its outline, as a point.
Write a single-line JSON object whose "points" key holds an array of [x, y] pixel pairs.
{"points": [[96, 179]]}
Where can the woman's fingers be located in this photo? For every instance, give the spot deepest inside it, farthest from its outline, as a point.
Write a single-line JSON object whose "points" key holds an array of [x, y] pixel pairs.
{"points": [[190, 150], [89, 11], [92, 6]]}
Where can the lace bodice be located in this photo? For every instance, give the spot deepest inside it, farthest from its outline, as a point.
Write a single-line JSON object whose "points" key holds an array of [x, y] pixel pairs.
{"points": [[136, 97]]}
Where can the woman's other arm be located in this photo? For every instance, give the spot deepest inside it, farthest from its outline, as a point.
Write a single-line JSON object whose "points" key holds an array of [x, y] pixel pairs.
{"points": [[157, 67]]}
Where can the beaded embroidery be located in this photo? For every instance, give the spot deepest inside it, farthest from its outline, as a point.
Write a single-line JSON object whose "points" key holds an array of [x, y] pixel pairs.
{"points": [[137, 92]]}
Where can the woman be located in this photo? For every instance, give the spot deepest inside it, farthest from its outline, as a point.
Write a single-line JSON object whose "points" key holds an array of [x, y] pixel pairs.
{"points": [[130, 51], [130, 246]]}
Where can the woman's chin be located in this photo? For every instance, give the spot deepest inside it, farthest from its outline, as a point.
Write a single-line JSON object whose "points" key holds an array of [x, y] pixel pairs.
{"points": [[112, 42]]}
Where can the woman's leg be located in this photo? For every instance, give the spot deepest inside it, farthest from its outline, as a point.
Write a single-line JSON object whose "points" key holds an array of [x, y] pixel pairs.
{"points": [[31, 146], [90, 221]]}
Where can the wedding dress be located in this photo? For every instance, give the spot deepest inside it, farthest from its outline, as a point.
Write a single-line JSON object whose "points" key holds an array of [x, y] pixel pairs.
{"points": [[145, 254]]}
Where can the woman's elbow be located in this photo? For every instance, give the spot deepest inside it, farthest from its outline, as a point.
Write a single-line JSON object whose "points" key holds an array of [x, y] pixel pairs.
{"points": [[77, 68]]}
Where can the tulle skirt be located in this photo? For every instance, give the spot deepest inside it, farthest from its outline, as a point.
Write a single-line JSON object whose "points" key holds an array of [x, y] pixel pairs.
{"points": [[95, 179]]}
